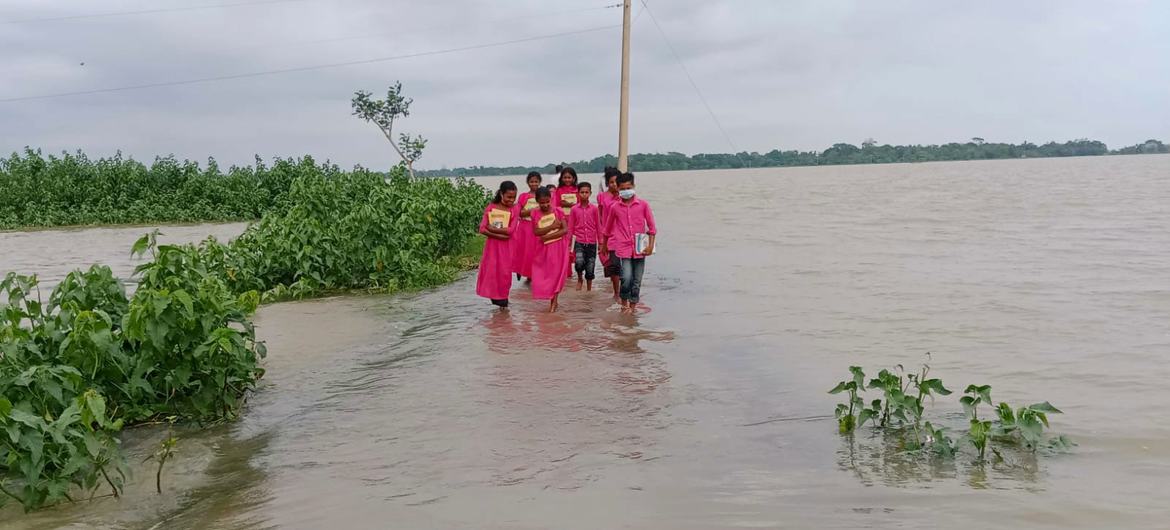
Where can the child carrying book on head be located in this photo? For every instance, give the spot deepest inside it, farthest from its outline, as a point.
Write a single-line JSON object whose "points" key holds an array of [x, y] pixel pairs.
{"points": [[552, 228], [584, 220], [525, 242], [629, 232], [498, 224]]}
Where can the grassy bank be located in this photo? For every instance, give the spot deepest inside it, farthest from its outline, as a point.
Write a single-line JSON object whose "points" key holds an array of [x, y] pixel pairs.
{"points": [[77, 367]]}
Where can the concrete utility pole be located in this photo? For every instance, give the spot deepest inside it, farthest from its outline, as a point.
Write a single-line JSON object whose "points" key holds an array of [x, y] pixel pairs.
{"points": [[624, 117]]}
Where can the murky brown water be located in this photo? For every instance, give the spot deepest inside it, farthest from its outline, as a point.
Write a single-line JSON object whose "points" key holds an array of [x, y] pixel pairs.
{"points": [[1048, 279]]}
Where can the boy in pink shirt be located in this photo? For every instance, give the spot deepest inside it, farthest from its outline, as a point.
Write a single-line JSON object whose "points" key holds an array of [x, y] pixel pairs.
{"points": [[628, 221], [584, 219]]}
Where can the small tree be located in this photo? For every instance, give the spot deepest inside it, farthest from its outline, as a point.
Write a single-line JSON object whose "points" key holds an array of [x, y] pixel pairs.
{"points": [[383, 112]]}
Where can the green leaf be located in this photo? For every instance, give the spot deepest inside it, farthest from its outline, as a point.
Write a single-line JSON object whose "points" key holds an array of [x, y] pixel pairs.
{"points": [[1045, 407], [97, 406], [1004, 411], [27, 418], [838, 389], [969, 404], [1030, 429], [5, 407], [936, 386], [858, 377], [92, 445], [865, 415], [140, 246]]}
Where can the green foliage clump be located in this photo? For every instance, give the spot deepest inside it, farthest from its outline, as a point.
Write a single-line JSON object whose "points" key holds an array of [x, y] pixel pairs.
{"points": [[355, 231], [74, 190], [900, 412], [74, 370]]}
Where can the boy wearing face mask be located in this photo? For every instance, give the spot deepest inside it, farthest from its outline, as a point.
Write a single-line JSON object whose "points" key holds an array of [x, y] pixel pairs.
{"points": [[628, 222]]}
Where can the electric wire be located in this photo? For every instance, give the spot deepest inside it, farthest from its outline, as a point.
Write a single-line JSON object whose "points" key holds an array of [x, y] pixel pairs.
{"points": [[149, 11], [710, 111], [307, 68]]}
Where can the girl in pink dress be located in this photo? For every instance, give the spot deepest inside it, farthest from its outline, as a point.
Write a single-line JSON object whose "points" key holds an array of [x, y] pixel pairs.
{"points": [[498, 224], [524, 244], [565, 197], [551, 228]]}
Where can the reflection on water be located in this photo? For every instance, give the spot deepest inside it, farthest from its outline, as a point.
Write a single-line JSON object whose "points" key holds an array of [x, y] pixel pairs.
{"points": [[1048, 279], [881, 458]]}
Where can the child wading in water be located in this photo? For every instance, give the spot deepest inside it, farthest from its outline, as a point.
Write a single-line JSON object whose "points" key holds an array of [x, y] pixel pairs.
{"points": [[525, 243], [605, 200], [566, 194], [551, 228], [629, 232], [498, 224], [584, 220]]}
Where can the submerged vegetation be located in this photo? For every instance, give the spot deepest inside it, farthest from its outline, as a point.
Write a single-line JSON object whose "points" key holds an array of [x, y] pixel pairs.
{"points": [[870, 152], [77, 368], [899, 416]]}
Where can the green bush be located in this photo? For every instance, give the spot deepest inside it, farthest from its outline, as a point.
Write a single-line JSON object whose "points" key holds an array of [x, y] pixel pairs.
{"points": [[74, 370], [74, 190]]}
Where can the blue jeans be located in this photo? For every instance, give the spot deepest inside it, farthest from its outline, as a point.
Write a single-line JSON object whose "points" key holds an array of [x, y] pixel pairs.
{"points": [[632, 269]]}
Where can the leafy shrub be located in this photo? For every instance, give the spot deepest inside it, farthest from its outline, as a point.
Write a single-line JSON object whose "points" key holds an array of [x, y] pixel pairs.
{"points": [[74, 190], [901, 413], [74, 370]]}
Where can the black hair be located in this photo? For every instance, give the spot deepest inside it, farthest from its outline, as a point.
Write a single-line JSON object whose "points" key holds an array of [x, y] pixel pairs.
{"points": [[625, 177], [533, 174], [505, 187], [551, 187], [585, 184], [559, 168], [569, 170], [542, 193]]}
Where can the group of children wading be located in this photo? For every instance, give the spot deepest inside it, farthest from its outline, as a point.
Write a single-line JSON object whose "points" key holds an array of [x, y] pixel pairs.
{"points": [[547, 232]]}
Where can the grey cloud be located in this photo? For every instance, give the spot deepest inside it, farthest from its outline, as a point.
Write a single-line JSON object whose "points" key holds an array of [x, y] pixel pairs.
{"points": [[800, 74]]}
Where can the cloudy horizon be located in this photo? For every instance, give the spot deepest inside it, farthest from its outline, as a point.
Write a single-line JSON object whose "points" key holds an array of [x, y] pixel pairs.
{"points": [[792, 75]]}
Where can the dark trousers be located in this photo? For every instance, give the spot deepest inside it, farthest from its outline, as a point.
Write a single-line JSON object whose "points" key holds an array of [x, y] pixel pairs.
{"points": [[585, 258], [632, 269]]}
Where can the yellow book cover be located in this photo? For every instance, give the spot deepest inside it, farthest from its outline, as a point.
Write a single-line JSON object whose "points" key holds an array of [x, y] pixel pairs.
{"points": [[545, 222], [530, 204], [499, 218], [570, 198]]}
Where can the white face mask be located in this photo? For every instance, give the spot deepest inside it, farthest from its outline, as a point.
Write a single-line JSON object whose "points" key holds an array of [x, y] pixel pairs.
{"points": [[626, 194]]}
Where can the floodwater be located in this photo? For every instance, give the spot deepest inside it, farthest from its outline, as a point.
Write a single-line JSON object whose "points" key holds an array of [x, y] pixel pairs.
{"points": [[1047, 279]]}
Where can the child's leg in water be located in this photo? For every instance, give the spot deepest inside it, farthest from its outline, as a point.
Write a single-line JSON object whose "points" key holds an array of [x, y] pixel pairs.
{"points": [[552, 304]]}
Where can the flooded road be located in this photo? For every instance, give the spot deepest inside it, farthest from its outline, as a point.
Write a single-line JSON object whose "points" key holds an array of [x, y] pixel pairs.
{"points": [[1047, 279]]}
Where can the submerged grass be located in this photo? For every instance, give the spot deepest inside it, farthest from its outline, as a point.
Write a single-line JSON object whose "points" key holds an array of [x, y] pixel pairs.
{"points": [[77, 368]]}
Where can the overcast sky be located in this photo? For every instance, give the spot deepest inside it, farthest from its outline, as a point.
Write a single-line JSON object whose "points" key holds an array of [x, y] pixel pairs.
{"points": [[791, 74]]}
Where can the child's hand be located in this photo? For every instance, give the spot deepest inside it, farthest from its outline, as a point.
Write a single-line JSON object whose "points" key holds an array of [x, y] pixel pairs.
{"points": [[649, 250]]}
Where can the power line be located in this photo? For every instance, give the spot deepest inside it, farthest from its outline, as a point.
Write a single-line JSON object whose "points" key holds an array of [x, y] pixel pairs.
{"points": [[307, 68], [424, 29], [149, 11], [646, 8]]}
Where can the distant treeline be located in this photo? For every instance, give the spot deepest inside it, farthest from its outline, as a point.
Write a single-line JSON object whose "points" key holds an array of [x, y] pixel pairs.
{"points": [[869, 153]]}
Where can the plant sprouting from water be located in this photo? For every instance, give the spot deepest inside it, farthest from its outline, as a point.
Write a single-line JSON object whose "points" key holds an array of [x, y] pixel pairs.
{"points": [[852, 414], [900, 413]]}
